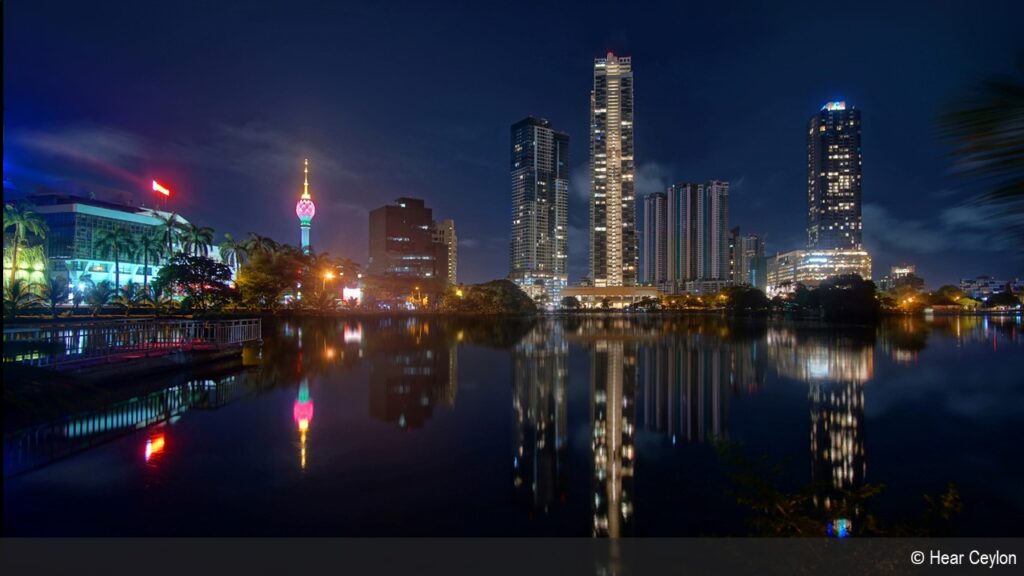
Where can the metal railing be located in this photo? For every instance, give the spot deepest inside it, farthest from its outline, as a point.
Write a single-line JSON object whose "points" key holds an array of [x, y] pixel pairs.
{"points": [[61, 345]]}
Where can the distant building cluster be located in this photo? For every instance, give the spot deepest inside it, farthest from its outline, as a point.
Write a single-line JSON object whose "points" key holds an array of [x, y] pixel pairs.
{"points": [[902, 275], [982, 287], [682, 241], [746, 256]]}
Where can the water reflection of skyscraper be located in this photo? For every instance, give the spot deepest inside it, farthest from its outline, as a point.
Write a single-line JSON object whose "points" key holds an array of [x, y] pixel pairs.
{"points": [[835, 370], [539, 373], [613, 373], [411, 371], [686, 381]]}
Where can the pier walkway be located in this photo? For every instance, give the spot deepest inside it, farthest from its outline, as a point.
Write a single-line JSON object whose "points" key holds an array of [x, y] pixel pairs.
{"points": [[73, 345]]}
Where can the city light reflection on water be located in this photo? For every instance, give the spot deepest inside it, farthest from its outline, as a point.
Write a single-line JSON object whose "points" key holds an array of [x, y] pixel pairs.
{"points": [[559, 426]]}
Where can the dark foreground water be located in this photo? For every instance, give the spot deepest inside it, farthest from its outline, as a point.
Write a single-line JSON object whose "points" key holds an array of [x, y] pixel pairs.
{"points": [[609, 427]]}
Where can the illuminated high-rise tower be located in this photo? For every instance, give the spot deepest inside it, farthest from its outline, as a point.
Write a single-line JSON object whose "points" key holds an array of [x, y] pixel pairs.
{"points": [[540, 200], [305, 210], [834, 178], [613, 243]]}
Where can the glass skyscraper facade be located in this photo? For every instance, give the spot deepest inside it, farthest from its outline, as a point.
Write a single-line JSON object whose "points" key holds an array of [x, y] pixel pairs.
{"points": [[698, 236], [539, 255], [613, 242], [834, 178], [654, 253]]}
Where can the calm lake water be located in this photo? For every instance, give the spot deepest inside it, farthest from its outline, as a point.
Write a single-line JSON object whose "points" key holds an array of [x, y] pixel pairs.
{"points": [[595, 426]]}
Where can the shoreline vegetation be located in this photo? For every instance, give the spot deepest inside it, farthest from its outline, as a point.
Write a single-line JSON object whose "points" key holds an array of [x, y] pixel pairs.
{"points": [[31, 320], [838, 299], [258, 276]]}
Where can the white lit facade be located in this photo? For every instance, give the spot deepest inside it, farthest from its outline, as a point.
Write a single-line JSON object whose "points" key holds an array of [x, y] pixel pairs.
{"points": [[811, 267], [613, 241]]}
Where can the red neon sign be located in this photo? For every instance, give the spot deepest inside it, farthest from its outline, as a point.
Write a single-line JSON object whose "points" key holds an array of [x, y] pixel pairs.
{"points": [[157, 187]]}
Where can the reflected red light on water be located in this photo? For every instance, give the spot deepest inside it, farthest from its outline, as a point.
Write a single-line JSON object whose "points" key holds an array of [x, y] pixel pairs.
{"points": [[154, 445]]}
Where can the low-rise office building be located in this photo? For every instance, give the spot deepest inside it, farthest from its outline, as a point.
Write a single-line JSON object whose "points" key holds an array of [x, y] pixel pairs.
{"points": [[810, 267], [74, 222], [615, 296]]}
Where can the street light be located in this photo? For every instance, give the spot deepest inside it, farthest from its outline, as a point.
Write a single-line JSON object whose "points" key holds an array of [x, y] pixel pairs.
{"points": [[327, 276]]}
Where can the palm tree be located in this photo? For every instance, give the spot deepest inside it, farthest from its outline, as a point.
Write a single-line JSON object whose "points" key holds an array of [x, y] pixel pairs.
{"points": [[118, 241], [320, 263], [24, 221], [349, 268], [197, 239], [76, 300], [99, 296], [149, 245], [18, 295], [55, 293], [323, 301], [987, 136], [170, 230], [257, 244], [161, 297], [232, 252], [131, 296]]}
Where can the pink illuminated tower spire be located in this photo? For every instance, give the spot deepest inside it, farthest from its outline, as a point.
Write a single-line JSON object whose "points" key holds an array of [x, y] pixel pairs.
{"points": [[305, 210]]}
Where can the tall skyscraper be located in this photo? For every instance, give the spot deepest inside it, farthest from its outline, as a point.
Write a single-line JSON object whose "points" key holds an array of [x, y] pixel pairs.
{"points": [[305, 210], [613, 242], [539, 256], [834, 178], [698, 236], [444, 236], [654, 256]]}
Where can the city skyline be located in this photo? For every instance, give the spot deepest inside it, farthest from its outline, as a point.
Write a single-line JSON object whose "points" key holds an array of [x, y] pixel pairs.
{"points": [[219, 145]]}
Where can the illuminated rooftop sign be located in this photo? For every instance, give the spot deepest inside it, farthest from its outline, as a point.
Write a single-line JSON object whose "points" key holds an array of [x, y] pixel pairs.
{"points": [[833, 106], [157, 187]]}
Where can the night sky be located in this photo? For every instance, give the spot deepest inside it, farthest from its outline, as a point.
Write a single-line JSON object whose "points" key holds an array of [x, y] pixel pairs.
{"points": [[222, 101]]}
